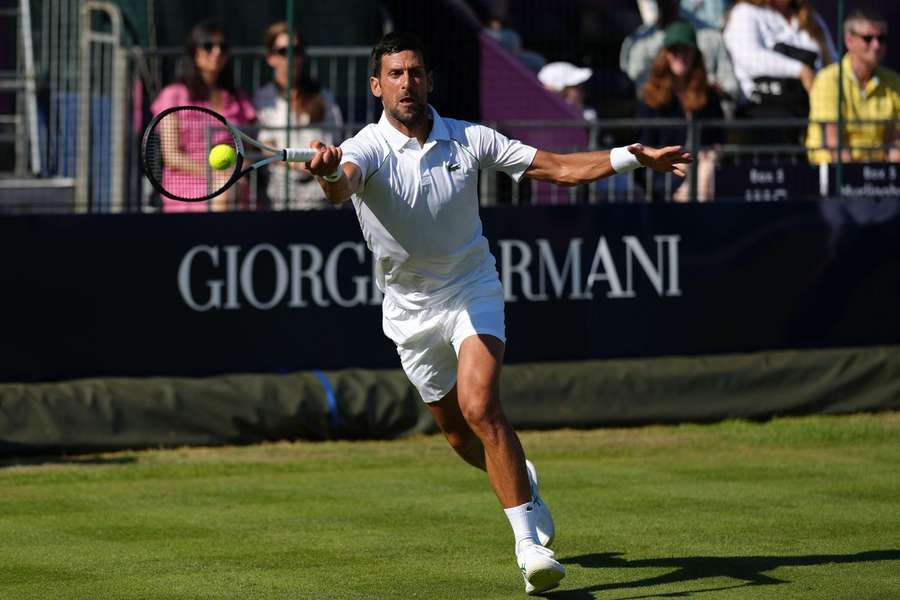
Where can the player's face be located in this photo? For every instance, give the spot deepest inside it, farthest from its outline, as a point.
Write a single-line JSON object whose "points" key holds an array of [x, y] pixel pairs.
{"points": [[403, 85]]}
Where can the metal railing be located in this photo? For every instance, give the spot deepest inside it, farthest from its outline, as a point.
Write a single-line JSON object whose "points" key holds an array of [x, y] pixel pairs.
{"points": [[751, 171], [727, 171], [736, 153]]}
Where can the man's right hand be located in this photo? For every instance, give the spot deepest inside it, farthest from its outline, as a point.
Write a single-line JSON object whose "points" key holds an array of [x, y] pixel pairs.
{"points": [[327, 160]]}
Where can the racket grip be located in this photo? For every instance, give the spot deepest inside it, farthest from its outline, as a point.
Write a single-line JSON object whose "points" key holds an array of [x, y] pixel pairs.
{"points": [[299, 154]]}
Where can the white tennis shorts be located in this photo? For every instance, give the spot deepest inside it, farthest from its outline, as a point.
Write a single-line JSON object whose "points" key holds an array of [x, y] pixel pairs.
{"points": [[428, 340]]}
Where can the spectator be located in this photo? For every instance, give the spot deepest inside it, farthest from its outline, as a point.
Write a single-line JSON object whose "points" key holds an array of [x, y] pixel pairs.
{"points": [[871, 91], [205, 79], [678, 88], [510, 39], [567, 80], [711, 12], [641, 48], [777, 46], [311, 105]]}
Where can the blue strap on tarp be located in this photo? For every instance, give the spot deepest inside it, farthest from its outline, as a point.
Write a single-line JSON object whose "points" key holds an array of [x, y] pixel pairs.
{"points": [[330, 398]]}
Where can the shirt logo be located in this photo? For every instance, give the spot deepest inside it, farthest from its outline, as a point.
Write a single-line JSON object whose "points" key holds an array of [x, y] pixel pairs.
{"points": [[453, 167]]}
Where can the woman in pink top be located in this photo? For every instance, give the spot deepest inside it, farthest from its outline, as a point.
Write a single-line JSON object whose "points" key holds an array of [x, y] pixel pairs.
{"points": [[206, 80]]}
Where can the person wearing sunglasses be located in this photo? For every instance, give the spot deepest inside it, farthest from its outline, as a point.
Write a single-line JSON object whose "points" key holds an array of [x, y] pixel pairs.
{"points": [[314, 115], [205, 78], [871, 92]]}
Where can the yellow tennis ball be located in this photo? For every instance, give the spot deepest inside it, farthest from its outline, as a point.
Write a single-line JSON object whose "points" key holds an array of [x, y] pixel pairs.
{"points": [[222, 157]]}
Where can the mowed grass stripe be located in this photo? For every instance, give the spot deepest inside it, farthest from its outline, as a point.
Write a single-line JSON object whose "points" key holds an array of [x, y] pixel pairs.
{"points": [[793, 508]]}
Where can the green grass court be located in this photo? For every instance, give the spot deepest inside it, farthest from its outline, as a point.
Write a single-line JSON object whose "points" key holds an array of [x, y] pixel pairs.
{"points": [[793, 508]]}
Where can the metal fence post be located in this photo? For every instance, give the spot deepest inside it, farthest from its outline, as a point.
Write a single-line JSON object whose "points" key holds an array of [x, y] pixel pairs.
{"points": [[114, 129], [839, 167], [695, 129]]}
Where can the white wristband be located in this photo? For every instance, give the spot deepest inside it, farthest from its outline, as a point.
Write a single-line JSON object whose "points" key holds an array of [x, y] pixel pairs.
{"points": [[622, 160], [334, 176]]}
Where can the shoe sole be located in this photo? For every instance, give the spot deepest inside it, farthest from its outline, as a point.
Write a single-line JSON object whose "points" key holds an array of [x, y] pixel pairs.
{"points": [[544, 580]]}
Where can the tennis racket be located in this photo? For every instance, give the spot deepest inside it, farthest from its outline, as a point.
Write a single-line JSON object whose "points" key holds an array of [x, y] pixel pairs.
{"points": [[176, 147]]}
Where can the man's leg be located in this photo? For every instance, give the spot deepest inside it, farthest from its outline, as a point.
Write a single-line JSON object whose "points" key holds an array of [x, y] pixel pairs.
{"points": [[459, 435], [463, 440], [478, 396]]}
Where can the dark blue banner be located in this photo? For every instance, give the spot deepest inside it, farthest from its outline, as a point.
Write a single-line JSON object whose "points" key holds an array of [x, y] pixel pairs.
{"points": [[203, 294]]}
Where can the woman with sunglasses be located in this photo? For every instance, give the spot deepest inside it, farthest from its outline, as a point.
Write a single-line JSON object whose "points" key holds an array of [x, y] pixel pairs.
{"points": [[206, 78], [314, 116], [776, 47]]}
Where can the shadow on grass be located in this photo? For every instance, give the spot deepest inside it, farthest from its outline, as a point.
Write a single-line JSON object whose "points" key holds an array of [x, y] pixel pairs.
{"points": [[750, 570]]}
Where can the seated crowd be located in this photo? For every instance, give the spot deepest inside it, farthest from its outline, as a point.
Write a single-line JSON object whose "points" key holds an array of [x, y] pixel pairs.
{"points": [[747, 60], [775, 59], [205, 79]]}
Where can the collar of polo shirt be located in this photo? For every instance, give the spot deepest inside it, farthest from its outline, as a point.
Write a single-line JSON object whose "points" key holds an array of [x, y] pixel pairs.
{"points": [[397, 140]]}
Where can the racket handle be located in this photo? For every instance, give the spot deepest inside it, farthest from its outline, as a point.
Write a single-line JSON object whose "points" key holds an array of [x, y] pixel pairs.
{"points": [[299, 154]]}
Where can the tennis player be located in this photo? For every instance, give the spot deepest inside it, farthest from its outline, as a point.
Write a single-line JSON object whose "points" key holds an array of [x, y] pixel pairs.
{"points": [[413, 180]]}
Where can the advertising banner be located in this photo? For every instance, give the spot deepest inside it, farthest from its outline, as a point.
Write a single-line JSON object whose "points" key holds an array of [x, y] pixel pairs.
{"points": [[207, 294]]}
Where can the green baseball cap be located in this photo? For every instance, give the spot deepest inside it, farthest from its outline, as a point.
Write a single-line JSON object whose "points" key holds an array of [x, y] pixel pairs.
{"points": [[679, 33]]}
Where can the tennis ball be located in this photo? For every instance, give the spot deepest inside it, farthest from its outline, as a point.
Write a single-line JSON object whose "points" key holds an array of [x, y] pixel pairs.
{"points": [[222, 157]]}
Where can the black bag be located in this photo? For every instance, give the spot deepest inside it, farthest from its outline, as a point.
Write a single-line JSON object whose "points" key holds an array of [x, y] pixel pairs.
{"points": [[784, 96]]}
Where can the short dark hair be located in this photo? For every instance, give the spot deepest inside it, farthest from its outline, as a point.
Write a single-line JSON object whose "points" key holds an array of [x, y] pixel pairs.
{"points": [[863, 14], [392, 43]]}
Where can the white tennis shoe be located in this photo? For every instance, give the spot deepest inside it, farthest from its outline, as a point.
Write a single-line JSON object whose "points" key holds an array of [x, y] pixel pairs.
{"points": [[540, 568], [544, 520]]}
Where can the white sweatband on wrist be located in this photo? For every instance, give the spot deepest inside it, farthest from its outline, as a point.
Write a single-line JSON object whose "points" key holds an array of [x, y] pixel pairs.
{"points": [[334, 176], [622, 160]]}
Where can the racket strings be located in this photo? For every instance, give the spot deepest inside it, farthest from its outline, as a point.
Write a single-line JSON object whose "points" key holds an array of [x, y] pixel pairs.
{"points": [[177, 154]]}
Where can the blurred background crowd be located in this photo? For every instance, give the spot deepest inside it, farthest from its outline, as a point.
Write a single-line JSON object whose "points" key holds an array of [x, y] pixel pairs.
{"points": [[806, 82]]}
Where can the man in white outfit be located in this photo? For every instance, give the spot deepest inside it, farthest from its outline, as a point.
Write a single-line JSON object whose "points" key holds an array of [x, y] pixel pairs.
{"points": [[413, 180]]}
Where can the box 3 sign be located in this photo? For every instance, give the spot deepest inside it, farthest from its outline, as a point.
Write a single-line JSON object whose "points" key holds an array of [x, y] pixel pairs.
{"points": [[767, 183]]}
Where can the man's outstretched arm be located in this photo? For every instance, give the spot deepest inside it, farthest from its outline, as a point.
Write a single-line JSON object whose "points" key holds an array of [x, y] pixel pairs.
{"points": [[585, 167]]}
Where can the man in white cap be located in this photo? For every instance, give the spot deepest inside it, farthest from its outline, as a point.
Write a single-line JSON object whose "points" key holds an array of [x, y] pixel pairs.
{"points": [[567, 80]]}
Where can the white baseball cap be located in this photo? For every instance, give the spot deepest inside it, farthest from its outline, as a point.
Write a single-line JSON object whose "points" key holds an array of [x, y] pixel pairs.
{"points": [[560, 75]]}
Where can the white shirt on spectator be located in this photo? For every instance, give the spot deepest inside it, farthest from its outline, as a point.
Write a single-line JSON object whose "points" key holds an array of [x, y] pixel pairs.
{"points": [[271, 113], [418, 205], [751, 34]]}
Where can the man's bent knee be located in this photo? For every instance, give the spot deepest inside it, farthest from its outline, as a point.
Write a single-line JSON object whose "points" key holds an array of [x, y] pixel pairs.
{"points": [[486, 419]]}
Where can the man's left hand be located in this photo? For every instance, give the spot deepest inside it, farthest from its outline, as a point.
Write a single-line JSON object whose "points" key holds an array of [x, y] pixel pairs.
{"points": [[664, 160]]}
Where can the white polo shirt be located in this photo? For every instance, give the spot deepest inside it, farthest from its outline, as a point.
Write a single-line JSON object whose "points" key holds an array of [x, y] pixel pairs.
{"points": [[418, 205]]}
